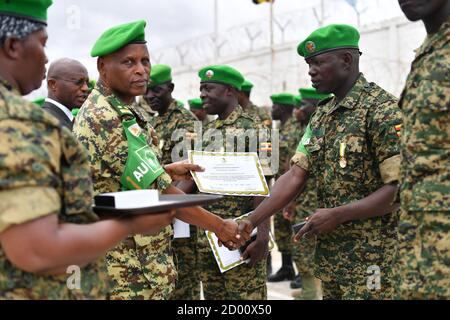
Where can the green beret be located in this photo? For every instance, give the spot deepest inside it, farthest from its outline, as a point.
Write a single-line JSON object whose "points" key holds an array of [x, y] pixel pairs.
{"points": [[311, 93], [196, 103], [298, 101], [35, 10], [160, 74], [222, 74], [118, 37], [329, 38], [247, 86], [283, 98], [39, 101]]}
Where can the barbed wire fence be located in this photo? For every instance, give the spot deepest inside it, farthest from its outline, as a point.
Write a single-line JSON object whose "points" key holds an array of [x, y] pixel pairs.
{"points": [[387, 43]]}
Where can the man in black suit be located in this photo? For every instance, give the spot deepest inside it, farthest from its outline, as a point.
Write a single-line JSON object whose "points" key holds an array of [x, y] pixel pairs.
{"points": [[67, 83]]}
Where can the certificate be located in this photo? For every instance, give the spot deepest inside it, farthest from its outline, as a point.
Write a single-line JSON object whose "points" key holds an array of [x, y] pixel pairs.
{"points": [[229, 173], [228, 259]]}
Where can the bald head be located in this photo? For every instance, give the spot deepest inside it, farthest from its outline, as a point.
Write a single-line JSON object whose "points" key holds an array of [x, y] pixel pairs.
{"points": [[65, 67], [67, 82]]}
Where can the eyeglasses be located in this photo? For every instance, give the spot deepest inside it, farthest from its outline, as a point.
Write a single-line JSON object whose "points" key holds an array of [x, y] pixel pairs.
{"points": [[79, 82]]}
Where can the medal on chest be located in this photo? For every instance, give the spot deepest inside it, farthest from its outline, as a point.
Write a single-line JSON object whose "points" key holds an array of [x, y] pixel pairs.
{"points": [[342, 160]]}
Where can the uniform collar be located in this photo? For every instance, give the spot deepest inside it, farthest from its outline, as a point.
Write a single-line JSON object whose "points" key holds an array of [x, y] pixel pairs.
{"points": [[172, 107], [6, 85], [352, 97], [231, 119], [435, 40]]}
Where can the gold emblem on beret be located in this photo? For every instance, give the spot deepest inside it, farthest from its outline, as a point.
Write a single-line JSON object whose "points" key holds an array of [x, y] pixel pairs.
{"points": [[209, 74], [310, 46]]}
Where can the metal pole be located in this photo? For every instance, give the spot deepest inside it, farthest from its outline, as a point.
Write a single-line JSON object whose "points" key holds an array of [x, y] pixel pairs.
{"points": [[322, 12], [216, 31], [272, 49]]}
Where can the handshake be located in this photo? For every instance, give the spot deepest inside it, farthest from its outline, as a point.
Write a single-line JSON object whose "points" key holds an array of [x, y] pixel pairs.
{"points": [[234, 234]]}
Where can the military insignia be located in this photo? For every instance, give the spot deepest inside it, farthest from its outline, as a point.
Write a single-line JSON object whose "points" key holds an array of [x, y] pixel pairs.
{"points": [[398, 129], [310, 46], [342, 160], [209, 74], [135, 130]]}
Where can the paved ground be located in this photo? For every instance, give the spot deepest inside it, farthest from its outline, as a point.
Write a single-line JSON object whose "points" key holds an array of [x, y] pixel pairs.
{"points": [[278, 290]]}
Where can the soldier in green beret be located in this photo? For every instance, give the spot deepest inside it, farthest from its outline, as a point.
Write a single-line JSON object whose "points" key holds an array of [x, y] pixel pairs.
{"points": [[46, 188], [260, 114], [304, 205], [352, 148], [282, 108], [219, 90], [174, 126], [196, 107], [124, 156], [423, 262]]}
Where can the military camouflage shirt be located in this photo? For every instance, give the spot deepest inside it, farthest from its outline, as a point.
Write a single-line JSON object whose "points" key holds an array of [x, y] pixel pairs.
{"points": [[289, 136], [235, 124], [175, 126], [353, 150], [99, 128], [43, 171], [425, 134]]}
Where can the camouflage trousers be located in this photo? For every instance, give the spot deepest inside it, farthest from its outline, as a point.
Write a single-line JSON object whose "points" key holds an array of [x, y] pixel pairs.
{"points": [[303, 250], [239, 283], [422, 264], [139, 271], [283, 234], [188, 283], [356, 266]]}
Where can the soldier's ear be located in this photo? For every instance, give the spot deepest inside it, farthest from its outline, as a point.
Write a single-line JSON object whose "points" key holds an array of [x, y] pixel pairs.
{"points": [[347, 59], [171, 87], [12, 48], [101, 67]]}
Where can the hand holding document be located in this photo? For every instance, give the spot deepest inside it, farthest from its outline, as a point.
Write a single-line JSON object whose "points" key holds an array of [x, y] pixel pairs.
{"points": [[228, 259], [229, 173]]}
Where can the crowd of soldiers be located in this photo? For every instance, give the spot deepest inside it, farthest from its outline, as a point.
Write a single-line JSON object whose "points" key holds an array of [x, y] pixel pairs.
{"points": [[367, 172]]}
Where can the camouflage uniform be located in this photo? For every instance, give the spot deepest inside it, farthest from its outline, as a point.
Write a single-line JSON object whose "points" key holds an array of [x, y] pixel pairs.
{"points": [[258, 114], [305, 205], [177, 117], [363, 125], [141, 267], [242, 282], [43, 171], [423, 264], [282, 227]]}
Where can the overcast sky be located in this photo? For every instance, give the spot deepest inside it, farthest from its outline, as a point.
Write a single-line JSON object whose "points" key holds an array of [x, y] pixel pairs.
{"points": [[74, 26]]}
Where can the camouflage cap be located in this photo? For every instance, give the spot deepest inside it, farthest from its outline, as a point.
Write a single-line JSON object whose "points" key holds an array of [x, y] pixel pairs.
{"points": [[118, 37], [35, 10], [329, 38]]}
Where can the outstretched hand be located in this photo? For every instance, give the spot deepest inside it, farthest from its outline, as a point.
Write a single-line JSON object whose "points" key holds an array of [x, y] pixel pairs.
{"points": [[321, 222], [182, 170]]}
